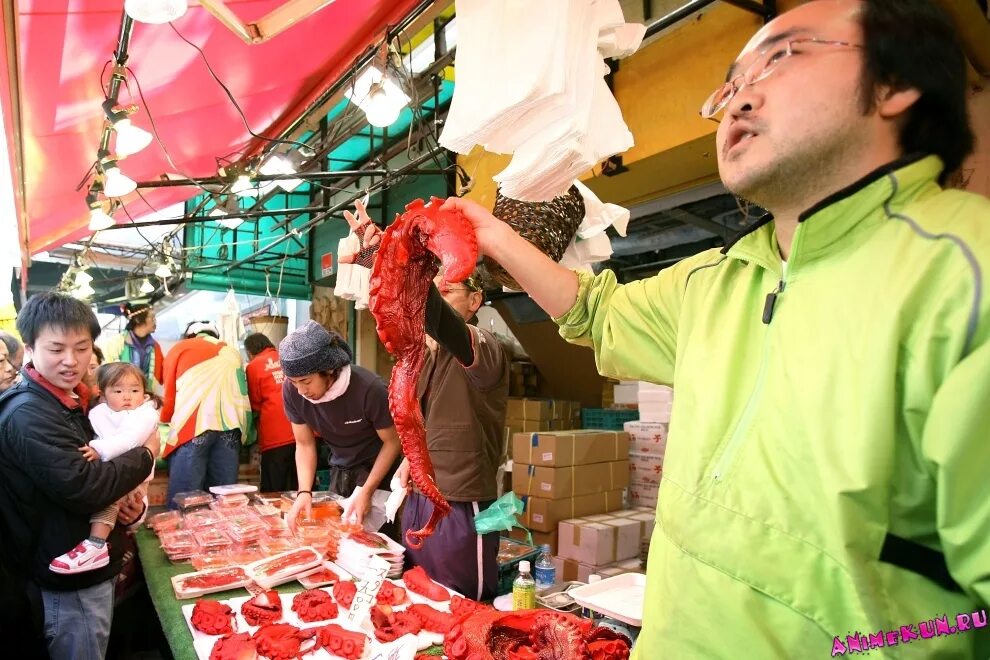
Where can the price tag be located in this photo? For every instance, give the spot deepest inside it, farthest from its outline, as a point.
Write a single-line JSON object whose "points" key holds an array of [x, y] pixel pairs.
{"points": [[548, 455], [545, 486], [368, 586]]}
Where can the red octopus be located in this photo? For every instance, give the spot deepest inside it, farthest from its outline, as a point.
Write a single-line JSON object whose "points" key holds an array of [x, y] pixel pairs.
{"points": [[263, 608], [417, 581], [283, 641], [461, 607], [432, 620], [390, 625], [390, 594], [404, 268], [238, 646], [344, 592], [212, 617], [340, 642], [314, 605], [532, 635]]}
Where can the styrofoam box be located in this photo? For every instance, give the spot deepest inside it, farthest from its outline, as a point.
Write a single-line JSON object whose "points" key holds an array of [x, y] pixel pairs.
{"points": [[645, 468], [625, 394]]}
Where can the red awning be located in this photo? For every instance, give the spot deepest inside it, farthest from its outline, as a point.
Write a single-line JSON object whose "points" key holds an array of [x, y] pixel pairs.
{"points": [[62, 49]]}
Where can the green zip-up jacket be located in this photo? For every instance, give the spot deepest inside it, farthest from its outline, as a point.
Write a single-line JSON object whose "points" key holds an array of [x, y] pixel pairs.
{"points": [[829, 449]]}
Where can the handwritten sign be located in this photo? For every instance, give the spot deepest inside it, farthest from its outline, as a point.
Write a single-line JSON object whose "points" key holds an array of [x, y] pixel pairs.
{"points": [[368, 586]]}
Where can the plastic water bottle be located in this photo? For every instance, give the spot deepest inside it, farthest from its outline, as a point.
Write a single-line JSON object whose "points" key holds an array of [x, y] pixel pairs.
{"points": [[524, 589], [546, 572]]}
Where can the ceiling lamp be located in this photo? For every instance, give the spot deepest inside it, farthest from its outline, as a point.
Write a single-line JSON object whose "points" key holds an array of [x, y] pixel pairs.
{"points": [[163, 271], [279, 164], [99, 219], [83, 291], [130, 138], [146, 286], [155, 12], [115, 184], [242, 186], [83, 278], [381, 98]]}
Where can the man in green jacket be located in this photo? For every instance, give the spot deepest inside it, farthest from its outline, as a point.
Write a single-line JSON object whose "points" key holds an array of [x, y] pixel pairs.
{"points": [[825, 486]]}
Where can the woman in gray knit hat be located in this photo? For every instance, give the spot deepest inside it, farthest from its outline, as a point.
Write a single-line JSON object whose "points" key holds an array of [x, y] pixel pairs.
{"points": [[345, 405]]}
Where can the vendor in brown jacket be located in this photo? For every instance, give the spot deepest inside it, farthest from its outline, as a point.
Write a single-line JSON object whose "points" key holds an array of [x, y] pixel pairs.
{"points": [[463, 387]]}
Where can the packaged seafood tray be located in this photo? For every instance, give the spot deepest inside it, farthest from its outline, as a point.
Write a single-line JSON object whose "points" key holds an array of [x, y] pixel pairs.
{"points": [[242, 554], [200, 583], [231, 501], [266, 511], [166, 521], [234, 489], [178, 541], [193, 499], [284, 567], [246, 527], [373, 543], [212, 537], [203, 561], [201, 518], [325, 574], [273, 546]]}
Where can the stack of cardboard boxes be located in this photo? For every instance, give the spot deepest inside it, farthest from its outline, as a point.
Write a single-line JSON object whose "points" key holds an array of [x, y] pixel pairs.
{"points": [[648, 443], [536, 415], [567, 474], [605, 544]]}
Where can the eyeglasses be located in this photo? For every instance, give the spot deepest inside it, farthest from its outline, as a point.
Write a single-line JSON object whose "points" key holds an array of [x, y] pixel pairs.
{"points": [[764, 64]]}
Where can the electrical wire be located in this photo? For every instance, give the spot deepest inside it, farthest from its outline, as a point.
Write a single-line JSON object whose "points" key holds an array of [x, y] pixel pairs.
{"points": [[230, 95]]}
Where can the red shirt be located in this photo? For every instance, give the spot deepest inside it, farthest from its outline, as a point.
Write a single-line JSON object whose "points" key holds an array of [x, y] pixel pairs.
{"points": [[264, 379]]}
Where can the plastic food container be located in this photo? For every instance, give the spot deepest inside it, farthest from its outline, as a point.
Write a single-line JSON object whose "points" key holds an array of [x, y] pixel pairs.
{"points": [[232, 501], [204, 561], [274, 546], [619, 597], [193, 499], [212, 537], [201, 518], [326, 573], [243, 555], [178, 541], [193, 585], [284, 567]]}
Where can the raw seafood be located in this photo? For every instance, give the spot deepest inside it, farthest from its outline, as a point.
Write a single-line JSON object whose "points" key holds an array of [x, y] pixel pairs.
{"points": [[390, 594], [264, 608], [212, 617], [400, 281], [340, 642], [314, 605], [417, 581], [213, 579], [431, 619], [282, 641], [461, 607], [344, 592], [368, 539], [238, 646], [286, 562], [390, 626], [532, 634]]}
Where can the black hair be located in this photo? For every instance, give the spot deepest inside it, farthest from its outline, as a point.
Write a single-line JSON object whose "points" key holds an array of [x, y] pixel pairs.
{"points": [[136, 315], [98, 352], [11, 342], [257, 342], [55, 310], [210, 332], [912, 44], [111, 373]]}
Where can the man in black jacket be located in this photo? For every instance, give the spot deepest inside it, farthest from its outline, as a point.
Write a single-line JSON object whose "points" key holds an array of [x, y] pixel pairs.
{"points": [[48, 489]]}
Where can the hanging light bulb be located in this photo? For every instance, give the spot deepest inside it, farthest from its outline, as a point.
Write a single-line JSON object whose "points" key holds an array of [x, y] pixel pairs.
{"points": [[163, 271], [115, 184], [100, 220], [155, 12], [279, 164], [242, 185], [381, 110], [130, 138], [146, 286], [83, 278], [83, 291]]}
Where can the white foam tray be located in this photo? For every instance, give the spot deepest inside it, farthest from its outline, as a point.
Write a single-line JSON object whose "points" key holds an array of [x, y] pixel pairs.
{"points": [[620, 597]]}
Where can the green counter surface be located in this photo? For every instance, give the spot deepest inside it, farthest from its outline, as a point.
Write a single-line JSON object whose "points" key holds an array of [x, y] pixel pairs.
{"points": [[158, 573]]}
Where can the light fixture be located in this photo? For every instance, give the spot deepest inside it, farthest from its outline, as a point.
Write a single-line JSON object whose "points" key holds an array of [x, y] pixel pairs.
{"points": [[83, 278], [163, 271], [155, 12], [100, 220], [146, 286], [279, 164], [242, 185], [83, 291], [115, 184], [381, 110], [381, 98], [130, 138]]}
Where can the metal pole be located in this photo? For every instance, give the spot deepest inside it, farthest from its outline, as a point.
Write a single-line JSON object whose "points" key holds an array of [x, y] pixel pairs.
{"points": [[675, 16], [408, 167], [190, 219]]}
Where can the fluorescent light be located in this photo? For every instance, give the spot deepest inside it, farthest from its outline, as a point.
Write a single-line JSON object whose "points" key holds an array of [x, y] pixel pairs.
{"points": [[163, 271], [99, 220], [130, 138], [115, 184], [146, 286], [155, 12]]}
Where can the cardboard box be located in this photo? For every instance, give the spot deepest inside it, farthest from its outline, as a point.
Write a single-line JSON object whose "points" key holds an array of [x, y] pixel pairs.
{"points": [[543, 514], [539, 409], [643, 495], [563, 448], [527, 425], [554, 483], [647, 437], [625, 394], [539, 538], [618, 568], [645, 468], [643, 515], [603, 541]]}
